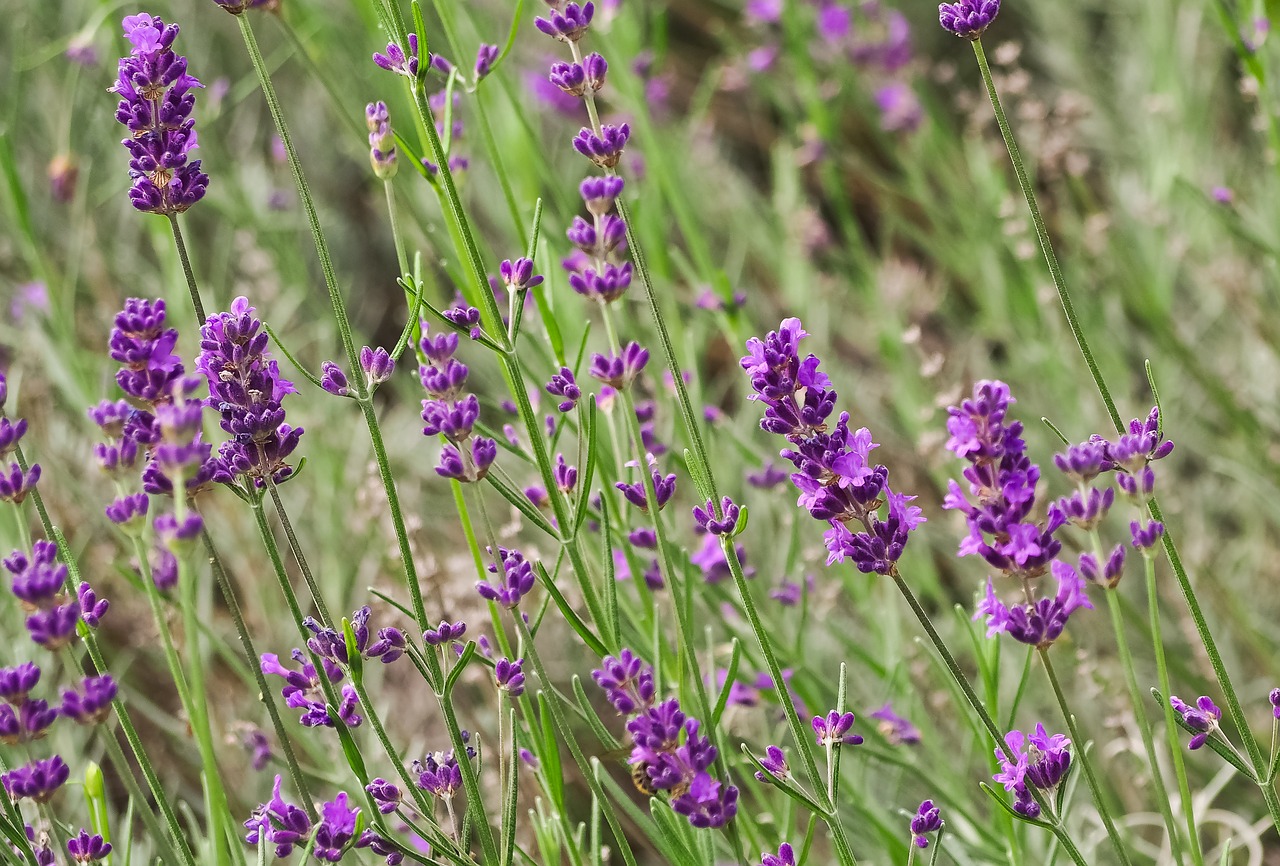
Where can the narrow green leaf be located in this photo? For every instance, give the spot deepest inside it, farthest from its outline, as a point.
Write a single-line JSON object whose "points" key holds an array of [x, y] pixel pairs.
{"points": [[1004, 804], [571, 616], [593, 719], [735, 657]]}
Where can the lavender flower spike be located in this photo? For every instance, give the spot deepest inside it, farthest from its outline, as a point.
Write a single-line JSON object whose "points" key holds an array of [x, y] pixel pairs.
{"points": [[516, 579], [1203, 718], [156, 100], [927, 820], [382, 141], [1035, 761], [968, 18], [706, 518]]}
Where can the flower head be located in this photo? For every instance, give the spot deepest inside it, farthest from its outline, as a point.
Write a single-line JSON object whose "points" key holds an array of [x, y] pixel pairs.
{"points": [[1039, 622], [38, 780], [157, 97], [968, 18], [1203, 718], [1030, 761], [928, 819], [515, 580]]}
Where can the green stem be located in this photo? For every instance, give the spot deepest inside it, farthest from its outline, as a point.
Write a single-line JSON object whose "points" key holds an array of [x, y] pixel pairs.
{"points": [[198, 710], [397, 513], [1042, 234], [158, 793], [1081, 755], [1162, 676], [304, 194], [1144, 726], [192, 288], [470, 780], [985, 717], [562, 725], [251, 656], [295, 548], [798, 732]]}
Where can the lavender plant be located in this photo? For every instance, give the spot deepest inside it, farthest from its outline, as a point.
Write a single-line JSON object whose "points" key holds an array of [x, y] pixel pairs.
{"points": [[760, 696]]}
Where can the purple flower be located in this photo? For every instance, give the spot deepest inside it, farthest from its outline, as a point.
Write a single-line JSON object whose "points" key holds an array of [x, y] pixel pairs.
{"points": [[516, 579], [619, 371], [333, 380], [926, 820], [156, 100], [564, 385], [1107, 574], [1002, 481], [396, 60], [785, 857], [510, 676], [144, 346], [279, 823], [604, 149], [1036, 761], [439, 774], [676, 757], [38, 780], [25, 721], [444, 633], [486, 56], [381, 847], [17, 682], [448, 411], [10, 433], [336, 830], [968, 18], [382, 140], [16, 484], [900, 109], [774, 763], [834, 729], [246, 388], [303, 690], [894, 727], [600, 193], [627, 682], [568, 23], [1039, 622], [663, 488], [254, 739], [606, 284], [1274, 698], [768, 477], [377, 365], [1203, 718], [331, 644], [518, 276], [724, 525], [385, 794], [87, 848], [92, 704]]}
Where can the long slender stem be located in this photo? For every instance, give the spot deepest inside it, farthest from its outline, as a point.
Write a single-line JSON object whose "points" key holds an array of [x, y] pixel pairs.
{"points": [[562, 725], [95, 654], [187, 272], [1184, 584], [798, 733], [251, 656], [997, 737], [1086, 763], [1042, 234], [295, 548], [1144, 725], [1162, 676], [304, 191]]}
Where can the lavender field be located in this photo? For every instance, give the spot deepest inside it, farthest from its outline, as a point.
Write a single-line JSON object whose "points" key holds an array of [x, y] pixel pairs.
{"points": [[523, 433]]}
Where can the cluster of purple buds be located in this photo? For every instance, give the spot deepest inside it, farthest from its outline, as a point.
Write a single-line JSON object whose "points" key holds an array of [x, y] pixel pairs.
{"points": [[968, 18], [1002, 481], [894, 728], [156, 100], [564, 386], [15, 482], [486, 56], [928, 819], [39, 582], [445, 633], [397, 60], [331, 645], [786, 856], [38, 780], [596, 268], [774, 764], [450, 412], [377, 365], [666, 744], [515, 579], [91, 704], [838, 484], [386, 795], [518, 276], [835, 729], [1130, 457], [627, 682], [286, 826], [382, 141], [510, 676], [723, 525], [1202, 719], [246, 388], [576, 78], [304, 691], [1036, 761], [619, 371], [1038, 622], [119, 454], [86, 847], [1274, 699], [440, 774], [664, 487], [23, 719]]}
